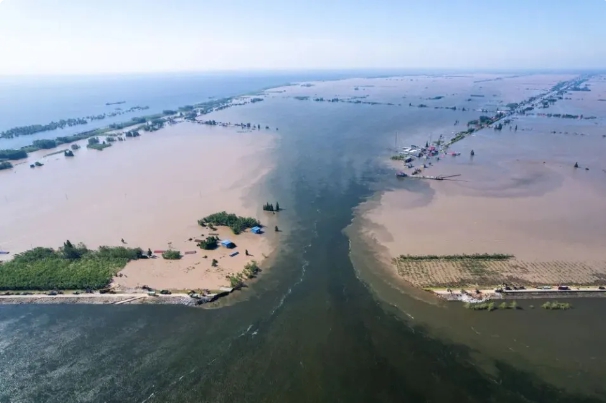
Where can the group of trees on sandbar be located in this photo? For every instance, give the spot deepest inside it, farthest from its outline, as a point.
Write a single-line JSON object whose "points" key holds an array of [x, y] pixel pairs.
{"points": [[270, 207], [236, 223], [209, 243]]}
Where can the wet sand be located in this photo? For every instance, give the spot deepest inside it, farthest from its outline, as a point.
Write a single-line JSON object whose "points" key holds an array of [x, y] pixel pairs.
{"points": [[149, 191]]}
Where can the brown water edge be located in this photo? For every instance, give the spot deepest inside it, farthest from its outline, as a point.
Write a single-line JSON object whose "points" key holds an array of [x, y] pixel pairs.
{"points": [[556, 346]]}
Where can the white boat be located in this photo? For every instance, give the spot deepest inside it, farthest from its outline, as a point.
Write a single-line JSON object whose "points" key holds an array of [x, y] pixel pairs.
{"points": [[410, 150]]}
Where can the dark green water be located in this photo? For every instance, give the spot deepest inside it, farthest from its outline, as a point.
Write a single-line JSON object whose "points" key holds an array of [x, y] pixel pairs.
{"points": [[309, 330]]}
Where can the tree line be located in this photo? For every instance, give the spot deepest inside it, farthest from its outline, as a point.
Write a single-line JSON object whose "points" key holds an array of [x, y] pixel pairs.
{"points": [[270, 207], [70, 267]]}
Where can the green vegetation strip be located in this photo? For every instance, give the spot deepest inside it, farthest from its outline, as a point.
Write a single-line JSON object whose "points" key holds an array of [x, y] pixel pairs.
{"points": [[490, 306], [475, 256], [68, 268], [556, 305]]}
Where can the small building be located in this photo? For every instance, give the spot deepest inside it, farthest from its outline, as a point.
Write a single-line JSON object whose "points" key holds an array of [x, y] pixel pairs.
{"points": [[228, 244], [256, 230]]}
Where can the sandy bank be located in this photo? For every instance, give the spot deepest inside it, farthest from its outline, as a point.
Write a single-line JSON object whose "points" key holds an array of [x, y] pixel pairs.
{"points": [[195, 271]]}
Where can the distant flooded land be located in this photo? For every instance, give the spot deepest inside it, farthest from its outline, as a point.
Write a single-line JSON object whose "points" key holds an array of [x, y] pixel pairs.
{"points": [[533, 199]]}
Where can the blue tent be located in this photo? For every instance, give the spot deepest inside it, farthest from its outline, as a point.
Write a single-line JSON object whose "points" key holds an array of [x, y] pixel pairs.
{"points": [[256, 230], [228, 244]]}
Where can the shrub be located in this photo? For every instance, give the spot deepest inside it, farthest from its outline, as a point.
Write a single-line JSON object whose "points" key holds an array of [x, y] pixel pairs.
{"points": [[235, 282], [209, 243], [172, 254], [251, 269]]}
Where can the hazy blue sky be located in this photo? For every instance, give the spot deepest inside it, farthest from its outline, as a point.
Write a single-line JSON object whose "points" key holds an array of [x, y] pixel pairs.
{"points": [[96, 36]]}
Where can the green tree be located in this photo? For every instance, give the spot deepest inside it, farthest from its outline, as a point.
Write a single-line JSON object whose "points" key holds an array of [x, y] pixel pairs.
{"points": [[209, 243], [236, 223], [172, 254], [44, 144]]}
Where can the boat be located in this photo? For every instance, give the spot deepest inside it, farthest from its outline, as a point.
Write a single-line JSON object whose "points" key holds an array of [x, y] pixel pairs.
{"points": [[411, 150], [401, 174]]}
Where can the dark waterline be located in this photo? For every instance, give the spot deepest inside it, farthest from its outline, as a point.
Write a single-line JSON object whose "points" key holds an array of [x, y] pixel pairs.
{"points": [[310, 330]]}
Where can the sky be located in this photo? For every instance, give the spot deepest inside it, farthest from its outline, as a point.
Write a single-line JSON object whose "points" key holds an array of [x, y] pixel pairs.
{"points": [[136, 36]]}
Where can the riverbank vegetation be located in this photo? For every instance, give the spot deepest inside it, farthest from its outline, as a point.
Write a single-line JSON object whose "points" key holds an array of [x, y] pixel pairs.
{"points": [[236, 223], [490, 306], [5, 165], [556, 305], [67, 268]]}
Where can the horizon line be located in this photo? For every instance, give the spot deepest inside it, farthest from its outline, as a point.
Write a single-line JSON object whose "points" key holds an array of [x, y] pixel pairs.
{"points": [[316, 70]]}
